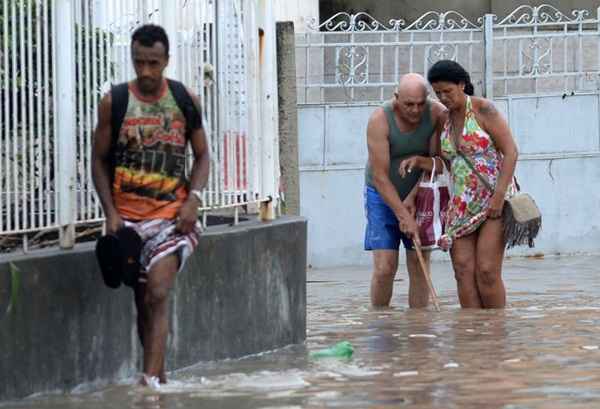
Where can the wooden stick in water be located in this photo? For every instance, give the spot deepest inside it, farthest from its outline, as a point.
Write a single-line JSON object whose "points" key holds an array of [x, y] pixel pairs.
{"points": [[425, 270]]}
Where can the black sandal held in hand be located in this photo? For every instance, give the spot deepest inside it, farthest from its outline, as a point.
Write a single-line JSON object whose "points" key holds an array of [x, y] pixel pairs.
{"points": [[119, 257]]}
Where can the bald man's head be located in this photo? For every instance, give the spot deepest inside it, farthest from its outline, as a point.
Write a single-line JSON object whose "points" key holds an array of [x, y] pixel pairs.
{"points": [[412, 83], [411, 97]]}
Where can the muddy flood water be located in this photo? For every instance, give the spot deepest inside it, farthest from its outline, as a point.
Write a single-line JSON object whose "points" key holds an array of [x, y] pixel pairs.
{"points": [[541, 352]]}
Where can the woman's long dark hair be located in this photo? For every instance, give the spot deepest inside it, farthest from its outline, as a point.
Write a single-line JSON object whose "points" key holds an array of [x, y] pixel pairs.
{"points": [[450, 71]]}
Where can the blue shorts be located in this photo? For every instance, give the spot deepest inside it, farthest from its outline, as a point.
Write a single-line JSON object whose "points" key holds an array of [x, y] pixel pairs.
{"points": [[382, 231]]}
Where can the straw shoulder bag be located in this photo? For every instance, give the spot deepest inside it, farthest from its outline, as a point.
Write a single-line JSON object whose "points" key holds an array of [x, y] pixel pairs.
{"points": [[521, 216]]}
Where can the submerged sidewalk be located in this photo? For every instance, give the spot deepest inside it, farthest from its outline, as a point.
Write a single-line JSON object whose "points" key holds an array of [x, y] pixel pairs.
{"points": [[524, 278], [541, 352]]}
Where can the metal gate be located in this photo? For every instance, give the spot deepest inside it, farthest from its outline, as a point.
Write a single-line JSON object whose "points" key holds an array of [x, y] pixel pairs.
{"points": [[541, 67], [60, 56]]}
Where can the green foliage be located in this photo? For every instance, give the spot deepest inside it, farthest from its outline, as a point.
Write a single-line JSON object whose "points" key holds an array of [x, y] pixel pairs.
{"points": [[15, 286]]}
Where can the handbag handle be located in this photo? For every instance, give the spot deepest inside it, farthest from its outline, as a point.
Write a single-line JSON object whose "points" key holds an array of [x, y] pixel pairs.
{"points": [[432, 176], [432, 171], [481, 177], [484, 180]]}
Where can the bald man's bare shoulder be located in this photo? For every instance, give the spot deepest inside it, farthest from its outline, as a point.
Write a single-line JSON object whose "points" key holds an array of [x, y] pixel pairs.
{"points": [[378, 115], [378, 121]]}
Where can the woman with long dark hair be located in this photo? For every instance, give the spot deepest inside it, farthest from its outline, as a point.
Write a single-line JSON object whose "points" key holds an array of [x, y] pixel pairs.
{"points": [[479, 148]]}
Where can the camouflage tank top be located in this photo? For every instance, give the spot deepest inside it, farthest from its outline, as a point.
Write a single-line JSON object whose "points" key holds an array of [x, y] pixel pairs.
{"points": [[149, 176]]}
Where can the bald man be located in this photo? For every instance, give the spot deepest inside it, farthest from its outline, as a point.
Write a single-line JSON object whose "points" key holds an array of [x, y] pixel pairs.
{"points": [[407, 125]]}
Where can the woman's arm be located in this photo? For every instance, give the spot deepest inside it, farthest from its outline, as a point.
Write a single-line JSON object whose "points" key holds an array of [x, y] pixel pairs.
{"points": [[494, 123]]}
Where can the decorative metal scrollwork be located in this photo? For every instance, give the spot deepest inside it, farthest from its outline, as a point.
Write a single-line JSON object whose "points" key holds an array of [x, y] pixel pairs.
{"points": [[352, 65], [536, 58], [363, 22], [543, 14], [360, 22], [441, 52], [450, 20], [446, 21]]}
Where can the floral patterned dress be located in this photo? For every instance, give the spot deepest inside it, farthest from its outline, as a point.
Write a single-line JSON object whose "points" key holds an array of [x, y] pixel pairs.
{"points": [[469, 197]]}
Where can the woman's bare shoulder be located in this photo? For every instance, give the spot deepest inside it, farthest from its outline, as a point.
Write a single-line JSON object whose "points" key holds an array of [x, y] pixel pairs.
{"points": [[484, 106]]}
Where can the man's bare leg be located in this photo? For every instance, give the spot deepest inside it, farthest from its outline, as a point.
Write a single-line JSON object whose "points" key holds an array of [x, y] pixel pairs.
{"points": [[143, 324], [385, 265], [156, 306], [418, 291]]}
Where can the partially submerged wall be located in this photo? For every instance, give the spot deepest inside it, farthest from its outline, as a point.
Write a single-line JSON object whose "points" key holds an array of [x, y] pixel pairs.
{"points": [[243, 291]]}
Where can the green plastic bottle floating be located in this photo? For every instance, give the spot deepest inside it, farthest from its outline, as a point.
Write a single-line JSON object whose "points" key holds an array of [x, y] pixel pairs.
{"points": [[342, 349]]}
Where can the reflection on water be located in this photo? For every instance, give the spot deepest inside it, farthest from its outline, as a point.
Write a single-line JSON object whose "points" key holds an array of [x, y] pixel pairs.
{"points": [[543, 351]]}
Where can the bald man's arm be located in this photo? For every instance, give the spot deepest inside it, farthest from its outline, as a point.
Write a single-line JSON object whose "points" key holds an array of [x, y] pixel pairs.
{"points": [[379, 159]]}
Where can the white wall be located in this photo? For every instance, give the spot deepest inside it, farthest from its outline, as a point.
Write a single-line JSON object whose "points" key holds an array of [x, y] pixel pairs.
{"points": [[298, 11], [559, 141]]}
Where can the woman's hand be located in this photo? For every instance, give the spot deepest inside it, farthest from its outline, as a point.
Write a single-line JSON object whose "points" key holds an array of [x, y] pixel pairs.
{"points": [[407, 165], [444, 243], [496, 205]]}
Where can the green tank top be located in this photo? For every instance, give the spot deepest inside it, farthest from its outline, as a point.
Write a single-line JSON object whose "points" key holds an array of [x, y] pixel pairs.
{"points": [[404, 145]]}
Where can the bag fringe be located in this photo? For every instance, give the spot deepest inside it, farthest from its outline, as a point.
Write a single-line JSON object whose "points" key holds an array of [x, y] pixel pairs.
{"points": [[518, 234]]}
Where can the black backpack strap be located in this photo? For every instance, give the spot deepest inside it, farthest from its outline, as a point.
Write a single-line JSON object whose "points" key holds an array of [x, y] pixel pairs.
{"points": [[193, 118], [119, 100]]}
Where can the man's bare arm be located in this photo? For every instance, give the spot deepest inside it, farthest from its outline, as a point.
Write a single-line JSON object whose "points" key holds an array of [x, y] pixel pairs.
{"points": [[102, 166], [201, 167], [188, 214], [379, 159]]}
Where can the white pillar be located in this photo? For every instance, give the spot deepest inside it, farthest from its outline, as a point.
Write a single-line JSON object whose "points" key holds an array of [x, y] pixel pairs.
{"points": [[253, 95], [65, 113], [169, 14], [269, 108], [488, 75]]}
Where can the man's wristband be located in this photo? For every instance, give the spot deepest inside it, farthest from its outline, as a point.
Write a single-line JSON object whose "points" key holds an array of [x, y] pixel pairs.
{"points": [[197, 194]]}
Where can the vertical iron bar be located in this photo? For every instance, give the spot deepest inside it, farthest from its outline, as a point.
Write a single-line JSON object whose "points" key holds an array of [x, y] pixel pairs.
{"points": [[33, 207], [22, 149], [5, 129], [40, 131], [381, 68], [15, 129], [489, 56], [49, 197]]}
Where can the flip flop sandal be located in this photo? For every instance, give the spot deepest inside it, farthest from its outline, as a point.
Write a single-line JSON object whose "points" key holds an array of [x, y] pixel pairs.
{"points": [[130, 244], [108, 253]]}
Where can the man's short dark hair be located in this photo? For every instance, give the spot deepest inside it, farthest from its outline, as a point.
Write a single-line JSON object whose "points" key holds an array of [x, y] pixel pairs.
{"points": [[149, 34]]}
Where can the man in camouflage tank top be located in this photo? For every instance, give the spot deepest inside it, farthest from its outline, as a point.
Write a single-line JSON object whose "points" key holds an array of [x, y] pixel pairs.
{"points": [[140, 179]]}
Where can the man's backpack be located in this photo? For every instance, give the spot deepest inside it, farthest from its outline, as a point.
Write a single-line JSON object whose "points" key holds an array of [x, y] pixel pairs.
{"points": [[120, 100]]}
